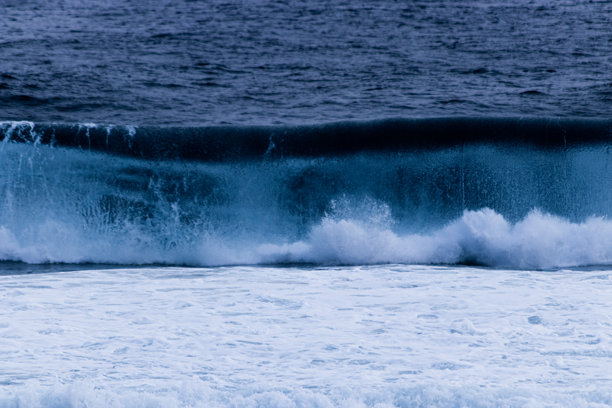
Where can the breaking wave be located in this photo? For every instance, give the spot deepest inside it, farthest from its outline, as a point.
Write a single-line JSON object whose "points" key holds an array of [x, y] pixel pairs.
{"points": [[496, 192]]}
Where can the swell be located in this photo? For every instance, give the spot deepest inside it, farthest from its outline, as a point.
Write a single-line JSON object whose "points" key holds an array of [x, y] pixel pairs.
{"points": [[230, 143]]}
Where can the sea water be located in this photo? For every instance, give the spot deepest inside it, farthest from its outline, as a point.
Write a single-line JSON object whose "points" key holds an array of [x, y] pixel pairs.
{"points": [[305, 203], [190, 63]]}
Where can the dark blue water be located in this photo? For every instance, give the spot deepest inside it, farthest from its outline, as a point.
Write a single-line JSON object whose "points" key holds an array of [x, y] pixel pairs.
{"points": [[288, 62]]}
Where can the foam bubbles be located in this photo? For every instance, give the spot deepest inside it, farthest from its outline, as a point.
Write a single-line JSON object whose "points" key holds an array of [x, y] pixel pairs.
{"points": [[483, 237], [197, 394]]}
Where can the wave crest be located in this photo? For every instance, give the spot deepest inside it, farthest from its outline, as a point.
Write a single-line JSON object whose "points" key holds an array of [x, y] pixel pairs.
{"points": [[238, 143]]}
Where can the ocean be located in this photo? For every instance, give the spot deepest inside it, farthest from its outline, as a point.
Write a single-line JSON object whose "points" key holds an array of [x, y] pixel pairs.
{"points": [[305, 204]]}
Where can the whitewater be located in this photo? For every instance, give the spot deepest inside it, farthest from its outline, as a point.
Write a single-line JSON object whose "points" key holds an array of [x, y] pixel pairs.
{"points": [[375, 336], [479, 237]]}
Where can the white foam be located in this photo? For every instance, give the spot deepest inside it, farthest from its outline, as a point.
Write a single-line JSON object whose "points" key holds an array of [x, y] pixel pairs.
{"points": [[375, 336], [483, 236], [197, 394]]}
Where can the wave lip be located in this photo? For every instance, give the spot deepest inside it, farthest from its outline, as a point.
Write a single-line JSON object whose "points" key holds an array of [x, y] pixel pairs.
{"points": [[230, 143]]}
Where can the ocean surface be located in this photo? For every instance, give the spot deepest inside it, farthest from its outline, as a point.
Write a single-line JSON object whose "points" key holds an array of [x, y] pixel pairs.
{"points": [[190, 63], [305, 203]]}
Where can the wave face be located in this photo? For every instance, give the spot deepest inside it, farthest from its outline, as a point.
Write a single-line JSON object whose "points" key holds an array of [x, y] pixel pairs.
{"points": [[498, 192]]}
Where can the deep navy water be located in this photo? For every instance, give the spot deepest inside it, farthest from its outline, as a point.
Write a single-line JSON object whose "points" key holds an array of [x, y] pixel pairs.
{"points": [[193, 63]]}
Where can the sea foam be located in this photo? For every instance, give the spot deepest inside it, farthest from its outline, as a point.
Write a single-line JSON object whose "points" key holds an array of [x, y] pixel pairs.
{"points": [[198, 394], [481, 237]]}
